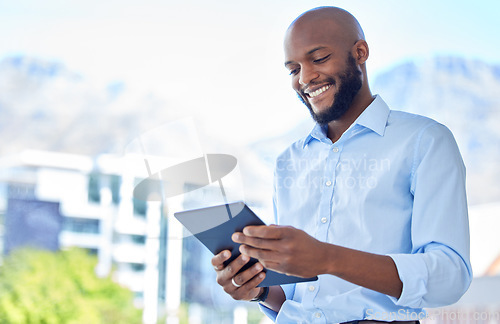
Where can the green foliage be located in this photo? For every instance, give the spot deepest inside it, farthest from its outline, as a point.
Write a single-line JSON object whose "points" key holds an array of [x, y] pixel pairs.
{"points": [[45, 287], [254, 315]]}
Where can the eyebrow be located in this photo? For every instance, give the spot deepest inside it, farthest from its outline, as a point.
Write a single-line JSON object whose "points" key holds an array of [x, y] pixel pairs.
{"points": [[308, 53]]}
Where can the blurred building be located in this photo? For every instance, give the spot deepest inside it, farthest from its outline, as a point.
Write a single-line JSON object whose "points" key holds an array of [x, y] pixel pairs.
{"points": [[60, 200], [96, 210]]}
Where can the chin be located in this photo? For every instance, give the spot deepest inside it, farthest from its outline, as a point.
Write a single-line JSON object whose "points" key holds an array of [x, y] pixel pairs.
{"points": [[322, 110]]}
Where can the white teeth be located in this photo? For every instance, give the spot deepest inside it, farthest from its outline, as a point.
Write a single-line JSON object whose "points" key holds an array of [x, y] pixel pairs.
{"points": [[319, 91]]}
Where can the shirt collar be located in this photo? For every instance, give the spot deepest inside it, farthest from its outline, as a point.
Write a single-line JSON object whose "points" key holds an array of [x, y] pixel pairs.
{"points": [[318, 133], [374, 117]]}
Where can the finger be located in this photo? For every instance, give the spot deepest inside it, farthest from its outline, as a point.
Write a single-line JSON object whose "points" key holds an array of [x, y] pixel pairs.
{"points": [[256, 280], [235, 266], [275, 266], [219, 259], [269, 239], [256, 242], [266, 232], [242, 278], [241, 238], [272, 265], [246, 291], [259, 253], [224, 278]]}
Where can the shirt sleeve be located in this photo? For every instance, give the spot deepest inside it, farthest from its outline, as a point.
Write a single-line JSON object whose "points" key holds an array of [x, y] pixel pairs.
{"points": [[438, 270], [288, 290]]}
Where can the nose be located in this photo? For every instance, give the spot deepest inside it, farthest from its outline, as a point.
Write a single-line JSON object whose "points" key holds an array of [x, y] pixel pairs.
{"points": [[307, 74]]}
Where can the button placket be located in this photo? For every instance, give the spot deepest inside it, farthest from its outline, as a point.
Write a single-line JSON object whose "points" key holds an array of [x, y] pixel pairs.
{"points": [[328, 184]]}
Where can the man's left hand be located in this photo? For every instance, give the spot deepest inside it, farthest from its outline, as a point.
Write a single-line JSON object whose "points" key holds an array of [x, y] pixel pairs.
{"points": [[283, 249]]}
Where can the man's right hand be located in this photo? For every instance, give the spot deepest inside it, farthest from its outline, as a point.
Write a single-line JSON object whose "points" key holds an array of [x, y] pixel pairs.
{"points": [[240, 286]]}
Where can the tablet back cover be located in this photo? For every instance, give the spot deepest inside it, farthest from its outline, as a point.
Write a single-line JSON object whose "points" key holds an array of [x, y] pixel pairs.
{"points": [[214, 226]]}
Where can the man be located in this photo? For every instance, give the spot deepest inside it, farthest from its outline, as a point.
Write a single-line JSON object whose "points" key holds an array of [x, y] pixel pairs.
{"points": [[372, 201]]}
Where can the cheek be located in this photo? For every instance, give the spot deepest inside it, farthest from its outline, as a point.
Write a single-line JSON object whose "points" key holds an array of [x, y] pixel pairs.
{"points": [[295, 84]]}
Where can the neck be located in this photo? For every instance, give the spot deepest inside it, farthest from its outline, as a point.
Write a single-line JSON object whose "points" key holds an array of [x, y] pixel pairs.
{"points": [[337, 127]]}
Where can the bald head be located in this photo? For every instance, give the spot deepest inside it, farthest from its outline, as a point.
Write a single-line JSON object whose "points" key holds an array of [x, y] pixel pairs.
{"points": [[326, 27], [347, 24]]}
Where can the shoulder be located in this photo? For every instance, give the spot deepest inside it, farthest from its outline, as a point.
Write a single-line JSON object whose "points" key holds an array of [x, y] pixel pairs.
{"points": [[408, 124], [423, 134], [406, 119]]}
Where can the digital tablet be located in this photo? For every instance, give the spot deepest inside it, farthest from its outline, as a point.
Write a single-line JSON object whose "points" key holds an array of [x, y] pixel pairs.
{"points": [[214, 226]]}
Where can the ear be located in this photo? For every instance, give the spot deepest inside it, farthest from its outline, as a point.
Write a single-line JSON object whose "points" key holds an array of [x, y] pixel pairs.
{"points": [[360, 51]]}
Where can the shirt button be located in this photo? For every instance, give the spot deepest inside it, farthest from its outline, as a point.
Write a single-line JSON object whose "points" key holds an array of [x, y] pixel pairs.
{"points": [[323, 220], [328, 183], [335, 149], [317, 314], [311, 288]]}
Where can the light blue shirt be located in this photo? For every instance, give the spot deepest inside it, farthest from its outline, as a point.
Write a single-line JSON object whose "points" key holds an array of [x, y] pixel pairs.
{"points": [[393, 184]]}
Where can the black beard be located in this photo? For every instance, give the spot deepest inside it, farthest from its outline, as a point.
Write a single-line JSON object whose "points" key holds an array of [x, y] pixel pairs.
{"points": [[350, 83]]}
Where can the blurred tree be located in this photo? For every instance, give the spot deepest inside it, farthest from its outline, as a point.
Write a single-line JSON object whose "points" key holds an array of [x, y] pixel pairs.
{"points": [[46, 287]]}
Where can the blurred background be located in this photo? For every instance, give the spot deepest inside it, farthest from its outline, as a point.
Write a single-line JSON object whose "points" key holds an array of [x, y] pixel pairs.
{"points": [[82, 80]]}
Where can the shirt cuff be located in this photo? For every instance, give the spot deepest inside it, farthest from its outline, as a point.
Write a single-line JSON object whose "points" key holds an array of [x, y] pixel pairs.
{"points": [[289, 290], [268, 312], [414, 276]]}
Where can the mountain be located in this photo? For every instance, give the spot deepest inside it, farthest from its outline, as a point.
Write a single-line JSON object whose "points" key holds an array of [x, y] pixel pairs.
{"points": [[46, 106]]}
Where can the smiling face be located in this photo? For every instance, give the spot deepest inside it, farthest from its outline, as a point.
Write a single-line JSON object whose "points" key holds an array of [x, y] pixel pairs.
{"points": [[343, 87], [319, 56]]}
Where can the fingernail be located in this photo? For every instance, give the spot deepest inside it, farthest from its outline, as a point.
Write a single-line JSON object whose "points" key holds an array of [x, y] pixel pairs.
{"points": [[258, 267], [236, 237], [244, 258]]}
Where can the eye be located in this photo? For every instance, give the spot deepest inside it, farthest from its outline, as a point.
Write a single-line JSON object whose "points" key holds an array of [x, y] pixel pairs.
{"points": [[294, 71], [322, 59]]}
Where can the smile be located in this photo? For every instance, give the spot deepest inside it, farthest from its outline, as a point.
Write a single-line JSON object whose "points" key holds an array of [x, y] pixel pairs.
{"points": [[317, 92]]}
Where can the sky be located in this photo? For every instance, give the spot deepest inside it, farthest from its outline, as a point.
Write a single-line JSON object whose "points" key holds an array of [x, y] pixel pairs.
{"points": [[222, 61]]}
